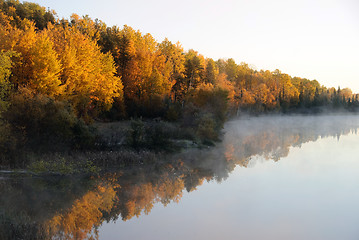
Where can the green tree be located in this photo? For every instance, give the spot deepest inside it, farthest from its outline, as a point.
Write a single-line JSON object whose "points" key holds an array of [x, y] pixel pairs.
{"points": [[231, 69], [211, 72], [27, 10]]}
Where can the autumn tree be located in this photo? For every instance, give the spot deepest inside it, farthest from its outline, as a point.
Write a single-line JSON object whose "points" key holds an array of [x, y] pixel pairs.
{"points": [[5, 85], [193, 74], [174, 60], [36, 66], [27, 10], [87, 75], [87, 26], [148, 69], [7, 140]]}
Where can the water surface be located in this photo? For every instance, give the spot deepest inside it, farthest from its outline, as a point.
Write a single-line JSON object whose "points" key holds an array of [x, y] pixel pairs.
{"points": [[270, 178]]}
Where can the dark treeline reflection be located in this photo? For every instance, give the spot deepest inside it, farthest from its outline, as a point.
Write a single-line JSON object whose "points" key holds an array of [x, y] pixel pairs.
{"points": [[74, 208]]}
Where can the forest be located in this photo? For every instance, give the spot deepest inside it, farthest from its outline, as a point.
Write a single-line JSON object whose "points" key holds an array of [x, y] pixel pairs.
{"points": [[61, 80]]}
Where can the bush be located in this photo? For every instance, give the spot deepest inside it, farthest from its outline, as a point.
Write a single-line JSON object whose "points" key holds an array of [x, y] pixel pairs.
{"points": [[173, 112], [8, 143], [42, 123], [83, 136], [137, 134], [156, 134], [206, 127]]}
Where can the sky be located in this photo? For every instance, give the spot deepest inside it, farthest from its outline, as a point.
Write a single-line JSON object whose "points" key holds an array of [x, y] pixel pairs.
{"points": [[314, 39]]}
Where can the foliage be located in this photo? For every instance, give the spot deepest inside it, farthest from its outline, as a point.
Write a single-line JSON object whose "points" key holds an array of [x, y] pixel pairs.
{"points": [[153, 134], [7, 140], [157, 135], [206, 111], [146, 68], [5, 85], [27, 10], [58, 75], [137, 137], [87, 74], [36, 66], [45, 123]]}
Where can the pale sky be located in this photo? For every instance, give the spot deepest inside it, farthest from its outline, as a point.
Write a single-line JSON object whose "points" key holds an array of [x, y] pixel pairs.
{"points": [[314, 39]]}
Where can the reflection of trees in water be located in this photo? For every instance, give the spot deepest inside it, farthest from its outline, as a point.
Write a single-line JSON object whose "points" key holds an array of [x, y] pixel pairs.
{"points": [[272, 137], [28, 202], [84, 215], [132, 192]]}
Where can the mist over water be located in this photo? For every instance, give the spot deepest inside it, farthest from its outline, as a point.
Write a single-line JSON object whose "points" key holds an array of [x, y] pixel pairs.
{"points": [[272, 137], [273, 177]]}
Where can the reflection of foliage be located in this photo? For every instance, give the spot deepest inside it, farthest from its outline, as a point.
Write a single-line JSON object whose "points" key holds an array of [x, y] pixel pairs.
{"points": [[27, 203], [139, 192], [273, 137], [86, 212], [135, 190]]}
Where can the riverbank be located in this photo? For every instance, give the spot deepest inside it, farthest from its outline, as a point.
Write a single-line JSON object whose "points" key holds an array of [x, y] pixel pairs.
{"points": [[122, 144], [113, 145]]}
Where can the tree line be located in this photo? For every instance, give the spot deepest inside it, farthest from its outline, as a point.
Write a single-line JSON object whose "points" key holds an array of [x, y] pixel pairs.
{"points": [[56, 75]]}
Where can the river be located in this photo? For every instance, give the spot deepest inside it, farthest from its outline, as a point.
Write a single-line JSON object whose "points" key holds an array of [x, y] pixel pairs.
{"points": [[281, 177]]}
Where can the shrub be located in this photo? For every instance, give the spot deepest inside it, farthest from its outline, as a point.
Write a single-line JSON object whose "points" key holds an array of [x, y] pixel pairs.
{"points": [[42, 123], [173, 112], [137, 134], [155, 134], [7, 142], [206, 127], [158, 134]]}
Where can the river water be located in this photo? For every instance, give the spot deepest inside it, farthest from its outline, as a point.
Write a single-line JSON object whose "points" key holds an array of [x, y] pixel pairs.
{"points": [[279, 177]]}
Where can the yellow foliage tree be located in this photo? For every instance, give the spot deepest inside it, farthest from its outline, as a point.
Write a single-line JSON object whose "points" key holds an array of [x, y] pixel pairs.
{"points": [[88, 76], [36, 66], [145, 67]]}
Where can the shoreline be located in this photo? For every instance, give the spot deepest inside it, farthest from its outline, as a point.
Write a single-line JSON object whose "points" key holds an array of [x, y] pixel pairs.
{"points": [[101, 159]]}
